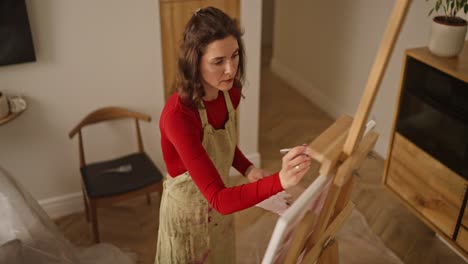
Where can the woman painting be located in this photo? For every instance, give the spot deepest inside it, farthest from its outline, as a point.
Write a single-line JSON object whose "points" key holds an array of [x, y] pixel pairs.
{"points": [[199, 145]]}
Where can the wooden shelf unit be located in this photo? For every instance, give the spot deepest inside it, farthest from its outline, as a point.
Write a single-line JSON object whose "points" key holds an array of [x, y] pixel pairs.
{"points": [[427, 165]]}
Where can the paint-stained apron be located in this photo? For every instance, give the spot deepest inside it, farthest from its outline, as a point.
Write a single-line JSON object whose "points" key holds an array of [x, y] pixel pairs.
{"points": [[190, 230]]}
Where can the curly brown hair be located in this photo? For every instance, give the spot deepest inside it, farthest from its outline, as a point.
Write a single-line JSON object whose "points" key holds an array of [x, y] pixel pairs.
{"points": [[205, 26]]}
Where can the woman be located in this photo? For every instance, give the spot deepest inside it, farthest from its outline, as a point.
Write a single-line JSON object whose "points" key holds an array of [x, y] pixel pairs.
{"points": [[198, 139]]}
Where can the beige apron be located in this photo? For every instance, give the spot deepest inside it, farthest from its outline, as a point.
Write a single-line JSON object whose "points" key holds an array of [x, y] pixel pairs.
{"points": [[190, 230]]}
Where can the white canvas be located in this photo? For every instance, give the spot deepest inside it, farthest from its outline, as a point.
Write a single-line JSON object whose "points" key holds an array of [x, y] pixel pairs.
{"points": [[311, 199]]}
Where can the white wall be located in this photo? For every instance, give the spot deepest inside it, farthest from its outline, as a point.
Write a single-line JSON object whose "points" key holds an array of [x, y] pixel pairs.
{"points": [[92, 54], [326, 50], [89, 54], [251, 19]]}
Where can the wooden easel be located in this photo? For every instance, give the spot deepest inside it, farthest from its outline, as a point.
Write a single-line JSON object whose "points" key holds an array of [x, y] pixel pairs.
{"points": [[341, 151]]}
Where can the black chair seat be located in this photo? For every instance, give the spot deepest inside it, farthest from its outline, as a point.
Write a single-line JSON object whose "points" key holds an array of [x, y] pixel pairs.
{"points": [[102, 179]]}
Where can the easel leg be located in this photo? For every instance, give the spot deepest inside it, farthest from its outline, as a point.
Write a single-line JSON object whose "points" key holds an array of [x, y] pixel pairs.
{"points": [[344, 197], [329, 254]]}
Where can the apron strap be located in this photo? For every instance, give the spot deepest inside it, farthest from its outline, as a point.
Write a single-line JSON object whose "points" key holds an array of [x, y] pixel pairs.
{"points": [[227, 98], [203, 116], [202, 111]]}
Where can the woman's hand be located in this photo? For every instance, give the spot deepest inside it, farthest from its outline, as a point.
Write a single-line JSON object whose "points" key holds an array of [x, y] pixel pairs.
{"points": [[254, 174], [296, 163]]}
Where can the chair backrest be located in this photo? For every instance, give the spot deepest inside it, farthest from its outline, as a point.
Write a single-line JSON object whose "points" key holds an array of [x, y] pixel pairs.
{"points": [[106, 114]]}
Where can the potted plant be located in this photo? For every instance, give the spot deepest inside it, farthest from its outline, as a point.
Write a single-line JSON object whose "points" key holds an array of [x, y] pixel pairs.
{"points": [[448, 31]]}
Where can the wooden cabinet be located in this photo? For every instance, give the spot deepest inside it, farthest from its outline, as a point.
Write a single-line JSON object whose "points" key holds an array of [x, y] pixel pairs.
{"points": [[426, 185], [462, 238], [427, 165], [174, 15]]}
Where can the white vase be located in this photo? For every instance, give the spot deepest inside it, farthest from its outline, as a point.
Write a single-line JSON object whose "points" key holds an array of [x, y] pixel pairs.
{"points": [[447, 40], [4, 109]]}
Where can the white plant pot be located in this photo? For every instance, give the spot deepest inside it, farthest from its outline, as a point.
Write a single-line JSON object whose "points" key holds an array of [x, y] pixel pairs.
{"points": [[4, 109], [447, 40]]}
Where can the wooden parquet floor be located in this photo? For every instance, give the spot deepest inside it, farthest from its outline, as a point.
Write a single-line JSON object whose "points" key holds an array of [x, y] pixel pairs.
{"points": [[286, 119]]}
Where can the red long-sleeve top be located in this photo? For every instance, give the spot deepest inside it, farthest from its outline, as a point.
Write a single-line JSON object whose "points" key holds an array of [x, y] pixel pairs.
{"points": [[181, 143]]}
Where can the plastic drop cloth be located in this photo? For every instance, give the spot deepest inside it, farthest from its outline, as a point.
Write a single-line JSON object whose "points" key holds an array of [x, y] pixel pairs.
{"points": [[28, 235], [357, 243]]}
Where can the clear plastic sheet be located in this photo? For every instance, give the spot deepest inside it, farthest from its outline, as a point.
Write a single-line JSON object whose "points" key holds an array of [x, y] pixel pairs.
{"points": [[357, 243], [28, 235]]}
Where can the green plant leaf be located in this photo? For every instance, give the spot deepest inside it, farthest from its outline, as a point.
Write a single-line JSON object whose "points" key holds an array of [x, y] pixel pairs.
{"points": [[464, 6]]}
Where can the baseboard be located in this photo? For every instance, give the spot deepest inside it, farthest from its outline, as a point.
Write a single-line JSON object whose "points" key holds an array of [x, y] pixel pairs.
{"points": [[451, 247], [67, 204], [307, 89], [63, 205], [315, 95]]}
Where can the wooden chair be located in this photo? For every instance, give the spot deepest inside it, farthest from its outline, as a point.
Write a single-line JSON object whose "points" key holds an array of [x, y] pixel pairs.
{"points": [[110, 181], [341, 149]]}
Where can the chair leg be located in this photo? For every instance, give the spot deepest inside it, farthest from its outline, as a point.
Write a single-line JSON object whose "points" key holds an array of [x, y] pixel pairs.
{"points": [[94, 218], [329, 254], [160, 191], [148, 198], [86, 205]]}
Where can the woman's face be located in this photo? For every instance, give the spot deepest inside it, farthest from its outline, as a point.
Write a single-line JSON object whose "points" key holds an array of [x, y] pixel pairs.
{"points": [[218, 66]]}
